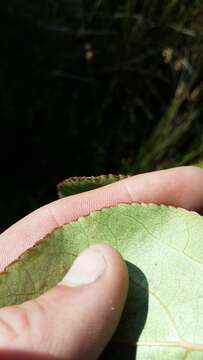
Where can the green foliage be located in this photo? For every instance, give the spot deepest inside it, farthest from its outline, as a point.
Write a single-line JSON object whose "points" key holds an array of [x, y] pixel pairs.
{"points": [[163, 247], [200, 164], [77, 185]]}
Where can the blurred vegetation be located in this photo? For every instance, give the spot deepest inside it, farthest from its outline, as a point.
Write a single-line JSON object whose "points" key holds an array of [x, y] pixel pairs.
{"points": [[92, 87]]}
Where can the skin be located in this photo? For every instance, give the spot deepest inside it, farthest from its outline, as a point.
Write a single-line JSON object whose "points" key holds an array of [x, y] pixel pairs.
{"points": [[57, 325]]}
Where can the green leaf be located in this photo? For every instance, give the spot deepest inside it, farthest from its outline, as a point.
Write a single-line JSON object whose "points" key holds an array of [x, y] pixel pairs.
{"points": [[75, 185], [199, 164], [163, 247]]}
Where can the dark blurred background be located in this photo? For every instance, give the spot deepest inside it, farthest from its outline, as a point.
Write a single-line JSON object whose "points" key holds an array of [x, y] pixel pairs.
{"points": [[93, 87]]}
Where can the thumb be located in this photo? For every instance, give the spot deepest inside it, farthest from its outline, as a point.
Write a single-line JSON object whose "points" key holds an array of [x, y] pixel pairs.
{"points": [[76, 319]]}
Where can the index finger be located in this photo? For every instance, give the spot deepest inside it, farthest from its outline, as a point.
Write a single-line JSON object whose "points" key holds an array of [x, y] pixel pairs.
{"points": [[180, 187]]}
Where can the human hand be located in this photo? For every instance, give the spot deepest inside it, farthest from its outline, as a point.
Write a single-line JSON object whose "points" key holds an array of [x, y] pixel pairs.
{"points": [[76, 322]]}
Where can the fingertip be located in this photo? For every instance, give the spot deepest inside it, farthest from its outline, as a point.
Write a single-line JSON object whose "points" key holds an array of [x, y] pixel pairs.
{"points": [[193, 169], [91, 264]]}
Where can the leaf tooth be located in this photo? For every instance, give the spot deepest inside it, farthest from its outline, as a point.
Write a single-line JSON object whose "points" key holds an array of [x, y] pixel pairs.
{"points": [[134, 204]]}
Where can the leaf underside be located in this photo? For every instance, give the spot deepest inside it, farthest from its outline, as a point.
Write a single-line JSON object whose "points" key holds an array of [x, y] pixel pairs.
{"points": [[163, 248], [75, 185]]}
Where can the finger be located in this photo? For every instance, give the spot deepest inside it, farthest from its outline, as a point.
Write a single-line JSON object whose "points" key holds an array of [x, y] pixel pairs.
{"points": [[24, 355], [74, 321], [179, 187]]}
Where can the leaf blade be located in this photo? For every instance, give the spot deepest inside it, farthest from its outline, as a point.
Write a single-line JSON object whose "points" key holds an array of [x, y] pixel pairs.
{"points": [[164, 251], [76, 185]]}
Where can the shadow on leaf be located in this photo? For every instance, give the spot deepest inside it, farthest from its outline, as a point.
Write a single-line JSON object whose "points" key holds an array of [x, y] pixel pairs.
{"points": [[123, 344]]}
